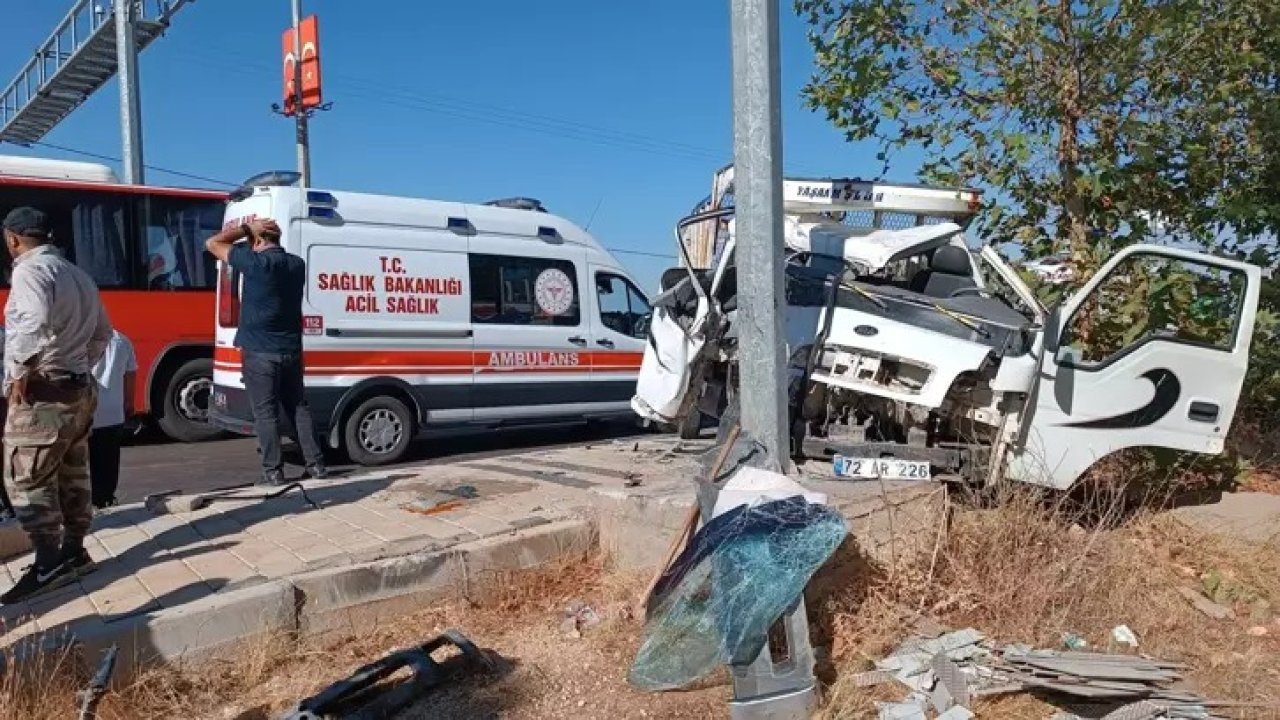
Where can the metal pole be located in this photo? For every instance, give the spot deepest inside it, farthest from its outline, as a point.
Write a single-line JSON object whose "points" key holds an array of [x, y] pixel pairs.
{"points": [[757, 157], [130, 103], [300, 115]]}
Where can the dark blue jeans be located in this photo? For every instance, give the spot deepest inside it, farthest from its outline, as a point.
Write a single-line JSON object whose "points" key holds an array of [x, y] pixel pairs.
{"points": [[274, 383]]}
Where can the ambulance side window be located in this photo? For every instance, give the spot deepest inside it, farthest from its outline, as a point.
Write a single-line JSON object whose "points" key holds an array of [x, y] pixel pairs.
{"points": [[622, 308], [508, 290]]}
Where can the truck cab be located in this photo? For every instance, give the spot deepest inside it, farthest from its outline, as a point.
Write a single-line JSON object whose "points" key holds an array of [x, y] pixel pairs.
{"points": [[913, 356]]}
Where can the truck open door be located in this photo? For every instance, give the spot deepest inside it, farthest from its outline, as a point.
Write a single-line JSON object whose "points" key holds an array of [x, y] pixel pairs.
{"points": [[1152, 351]]}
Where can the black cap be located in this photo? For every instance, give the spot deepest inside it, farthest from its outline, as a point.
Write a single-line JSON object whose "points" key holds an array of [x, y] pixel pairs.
{"points": [[28, 222]]}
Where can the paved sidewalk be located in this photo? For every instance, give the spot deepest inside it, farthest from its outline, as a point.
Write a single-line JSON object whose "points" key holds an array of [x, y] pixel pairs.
{"points": [[1244, 516], [149, 562]]}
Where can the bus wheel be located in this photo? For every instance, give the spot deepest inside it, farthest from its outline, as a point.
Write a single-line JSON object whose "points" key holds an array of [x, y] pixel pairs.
{"points": [[378, 431], [183, 414]]}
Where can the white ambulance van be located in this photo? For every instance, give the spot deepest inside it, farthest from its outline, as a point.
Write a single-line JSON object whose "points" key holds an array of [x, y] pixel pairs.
{"points": [[424, 314]]}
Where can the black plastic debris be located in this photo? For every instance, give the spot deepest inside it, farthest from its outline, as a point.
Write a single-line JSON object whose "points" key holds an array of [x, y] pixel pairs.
{"points": [[92, 695], [364, 695]]}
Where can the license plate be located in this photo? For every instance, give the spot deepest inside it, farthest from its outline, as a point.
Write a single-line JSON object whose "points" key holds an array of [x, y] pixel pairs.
{"points": [[881, 468]]}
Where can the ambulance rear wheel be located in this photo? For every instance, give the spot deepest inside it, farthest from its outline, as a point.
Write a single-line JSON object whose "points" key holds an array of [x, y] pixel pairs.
{"points": [[378, 431]]}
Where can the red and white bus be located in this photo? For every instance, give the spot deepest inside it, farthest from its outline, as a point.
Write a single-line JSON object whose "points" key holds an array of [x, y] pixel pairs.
{"points": [[145, 248]]}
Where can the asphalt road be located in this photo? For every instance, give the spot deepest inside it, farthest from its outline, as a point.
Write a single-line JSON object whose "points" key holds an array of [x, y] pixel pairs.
{"points": [[152, 464]]}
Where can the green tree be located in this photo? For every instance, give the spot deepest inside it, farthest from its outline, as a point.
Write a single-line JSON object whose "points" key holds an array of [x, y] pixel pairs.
{"points": [[1090, 119]]}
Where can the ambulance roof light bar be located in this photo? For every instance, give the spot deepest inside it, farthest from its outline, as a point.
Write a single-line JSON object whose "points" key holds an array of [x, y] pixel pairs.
{"points": [[518, 203], [271, 178], [274, 178]]}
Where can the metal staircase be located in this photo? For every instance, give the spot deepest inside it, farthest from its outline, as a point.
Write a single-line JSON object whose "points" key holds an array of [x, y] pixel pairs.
{"points": [[77, 59]]}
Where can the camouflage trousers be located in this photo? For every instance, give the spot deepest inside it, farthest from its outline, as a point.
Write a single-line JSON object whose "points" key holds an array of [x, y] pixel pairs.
{"points": [[46, 462]]}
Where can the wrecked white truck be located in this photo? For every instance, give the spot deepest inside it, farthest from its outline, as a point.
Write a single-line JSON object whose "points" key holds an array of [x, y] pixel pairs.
{"points": [[913, 357]]}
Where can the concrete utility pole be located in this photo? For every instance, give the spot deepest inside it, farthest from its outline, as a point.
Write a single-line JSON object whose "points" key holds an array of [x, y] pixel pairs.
{"points": [[299, 114], [757, 158], [130, 104]]}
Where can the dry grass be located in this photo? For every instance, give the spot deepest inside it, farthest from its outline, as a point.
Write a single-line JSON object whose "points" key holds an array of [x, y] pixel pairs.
{"points": [[1026, 572], [1019, 569], [518, 616], [42, 685]]}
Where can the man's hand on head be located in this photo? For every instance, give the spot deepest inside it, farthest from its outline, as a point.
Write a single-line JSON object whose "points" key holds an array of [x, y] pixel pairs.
{"points": [[264, 226]]}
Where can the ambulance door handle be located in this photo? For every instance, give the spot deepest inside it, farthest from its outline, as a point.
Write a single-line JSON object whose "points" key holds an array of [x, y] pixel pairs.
{"points": [[605, 343], [578, 340]]}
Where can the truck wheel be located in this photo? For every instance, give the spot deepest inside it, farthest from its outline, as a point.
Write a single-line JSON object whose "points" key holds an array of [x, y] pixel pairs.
{"points": [[183, 414], [378, 431]]}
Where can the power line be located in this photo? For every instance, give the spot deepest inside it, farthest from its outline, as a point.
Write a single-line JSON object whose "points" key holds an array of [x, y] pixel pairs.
{"points": [[490, 114], [109, 158], [664, 256], [191, 176]]}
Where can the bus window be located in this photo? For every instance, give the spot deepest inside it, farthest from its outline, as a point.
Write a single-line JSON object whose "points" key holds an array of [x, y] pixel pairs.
{"points": [[172, 243], [88, 226]]}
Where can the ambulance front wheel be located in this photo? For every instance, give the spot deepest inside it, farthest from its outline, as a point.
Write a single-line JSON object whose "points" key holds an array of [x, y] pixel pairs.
{"points": [[378, 431]]}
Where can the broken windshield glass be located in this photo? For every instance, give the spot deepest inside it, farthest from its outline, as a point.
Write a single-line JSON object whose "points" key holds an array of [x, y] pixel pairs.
{"points": [[743, 570]]}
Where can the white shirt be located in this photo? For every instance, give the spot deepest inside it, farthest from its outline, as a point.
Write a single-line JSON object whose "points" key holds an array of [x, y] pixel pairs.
{"points": [[109, 372], [54, 318]]}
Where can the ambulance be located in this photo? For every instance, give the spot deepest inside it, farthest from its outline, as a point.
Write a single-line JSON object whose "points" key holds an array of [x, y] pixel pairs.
{"points": [[421, 315]]}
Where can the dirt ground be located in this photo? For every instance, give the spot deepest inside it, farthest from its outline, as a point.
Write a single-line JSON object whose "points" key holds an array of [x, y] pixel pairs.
{"points": [[543, 669]]}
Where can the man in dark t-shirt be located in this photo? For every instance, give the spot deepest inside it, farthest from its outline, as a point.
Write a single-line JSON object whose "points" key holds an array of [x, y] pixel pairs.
{"points": [[270, 340]]}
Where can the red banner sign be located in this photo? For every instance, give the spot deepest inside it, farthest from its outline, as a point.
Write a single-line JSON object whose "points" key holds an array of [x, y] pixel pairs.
{"points": [[311, 95]]}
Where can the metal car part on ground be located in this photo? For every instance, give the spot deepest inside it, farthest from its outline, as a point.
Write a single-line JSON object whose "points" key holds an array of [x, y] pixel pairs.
{"points": [[364, 694]]}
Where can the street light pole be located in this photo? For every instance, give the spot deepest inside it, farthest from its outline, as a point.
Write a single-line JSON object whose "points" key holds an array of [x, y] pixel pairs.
{"points": [[130, 105], [757, 157], [299, 114]]}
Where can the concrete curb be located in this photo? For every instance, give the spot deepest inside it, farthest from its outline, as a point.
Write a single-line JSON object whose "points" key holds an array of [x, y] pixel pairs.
{"points": [[352, 598]]}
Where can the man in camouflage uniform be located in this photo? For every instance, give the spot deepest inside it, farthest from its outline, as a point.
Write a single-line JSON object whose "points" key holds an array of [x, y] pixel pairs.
{"points": [[6, 507], [55, 331]]}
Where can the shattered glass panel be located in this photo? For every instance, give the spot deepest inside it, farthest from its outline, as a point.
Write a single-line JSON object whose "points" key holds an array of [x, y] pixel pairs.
{"points": [[742, 571], [888, 219]]}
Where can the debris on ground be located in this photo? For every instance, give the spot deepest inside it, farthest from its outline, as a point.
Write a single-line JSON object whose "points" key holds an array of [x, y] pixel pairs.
{"points": [[632, 479], [92, 695], [465, 492], [430, 507], [435, 502], [577, 616], [361, 694], [172, 502], [1123, 634], [1205, 605], [947, 673], [1072, 641]]}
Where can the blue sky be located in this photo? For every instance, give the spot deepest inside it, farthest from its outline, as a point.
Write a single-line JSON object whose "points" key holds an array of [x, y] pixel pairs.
{"points": [[618, 110]]}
